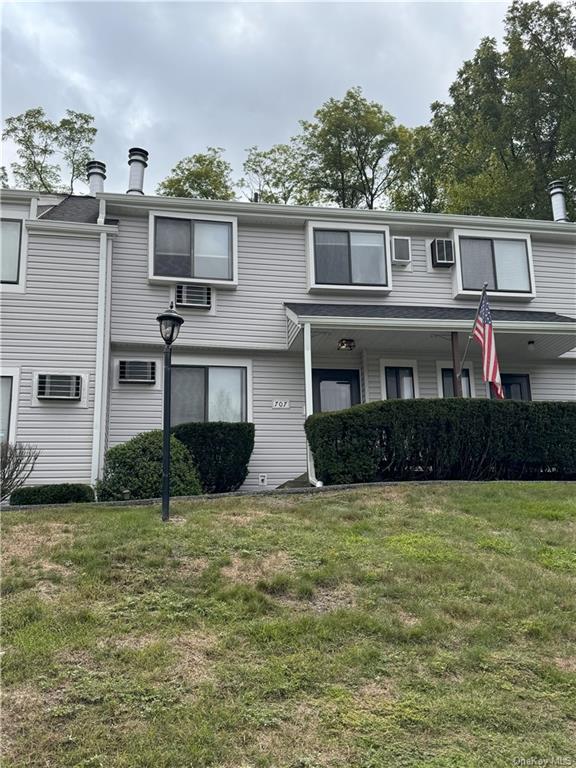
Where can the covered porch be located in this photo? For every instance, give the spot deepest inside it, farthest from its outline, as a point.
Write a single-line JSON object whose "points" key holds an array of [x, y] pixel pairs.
{"points": [[362, 353]]}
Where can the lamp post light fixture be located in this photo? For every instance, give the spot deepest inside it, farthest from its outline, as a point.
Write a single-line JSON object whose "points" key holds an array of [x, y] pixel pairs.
{"points": [[170, 322]]}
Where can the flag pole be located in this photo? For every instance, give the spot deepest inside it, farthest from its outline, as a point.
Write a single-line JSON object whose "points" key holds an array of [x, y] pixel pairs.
{"points": [[470, 337]]}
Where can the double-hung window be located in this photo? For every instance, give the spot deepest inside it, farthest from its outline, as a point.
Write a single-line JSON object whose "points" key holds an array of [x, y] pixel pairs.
{"points": [[11, 246], [342, 257], [399, 382], [192, 250], [503, 263], [448, 382], [208, 393]]}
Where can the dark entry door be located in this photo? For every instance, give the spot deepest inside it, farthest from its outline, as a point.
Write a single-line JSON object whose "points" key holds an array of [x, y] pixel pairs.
{"points": [[334, 390]]}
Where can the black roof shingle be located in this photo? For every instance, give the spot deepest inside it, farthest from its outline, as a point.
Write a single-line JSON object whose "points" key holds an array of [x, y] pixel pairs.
{"points": [[395, 311]]}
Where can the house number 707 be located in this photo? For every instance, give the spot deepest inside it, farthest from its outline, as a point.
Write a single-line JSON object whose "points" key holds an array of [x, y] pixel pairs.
{"points": [[281, 404]]}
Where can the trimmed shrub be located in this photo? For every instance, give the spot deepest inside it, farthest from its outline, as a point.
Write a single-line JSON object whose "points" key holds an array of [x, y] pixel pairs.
{"points": [[221, 451], [136, 467], [452, 439], [62, 493]]}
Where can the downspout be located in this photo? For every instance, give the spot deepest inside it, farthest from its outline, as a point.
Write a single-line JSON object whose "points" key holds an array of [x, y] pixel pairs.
{"points": [[100, 355], [309, 401], [106, 374]]}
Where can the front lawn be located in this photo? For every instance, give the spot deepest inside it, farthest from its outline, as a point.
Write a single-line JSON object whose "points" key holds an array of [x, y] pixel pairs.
{"points": [[409, 625]]}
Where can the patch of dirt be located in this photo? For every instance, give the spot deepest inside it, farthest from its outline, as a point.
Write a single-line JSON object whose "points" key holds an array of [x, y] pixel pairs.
{"points": [[49, 589], [193, 651], [324, 600], [375, 691], [249, 571], [178, 520], [303, 736], [24, 541], [23, 708], [566, 663], [192, 566], [407, 618], [243, 516]]}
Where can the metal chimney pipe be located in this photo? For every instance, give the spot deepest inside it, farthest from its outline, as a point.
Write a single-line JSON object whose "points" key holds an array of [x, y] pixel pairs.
{"points": [[556, 190], [95, 173], [138, 162]]}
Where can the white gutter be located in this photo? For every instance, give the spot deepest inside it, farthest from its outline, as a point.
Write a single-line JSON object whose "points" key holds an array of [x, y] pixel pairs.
{"points": [[97, 428], [304, 213], [69, 227], [309, 400], [428, 324]]}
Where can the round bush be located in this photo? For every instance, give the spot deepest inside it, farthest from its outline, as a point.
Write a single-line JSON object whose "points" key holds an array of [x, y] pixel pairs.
{"points": [[136, 467], [221, 451]]}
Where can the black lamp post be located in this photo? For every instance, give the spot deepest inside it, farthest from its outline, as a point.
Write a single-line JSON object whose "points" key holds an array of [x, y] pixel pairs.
{"points": [[170, 322]]}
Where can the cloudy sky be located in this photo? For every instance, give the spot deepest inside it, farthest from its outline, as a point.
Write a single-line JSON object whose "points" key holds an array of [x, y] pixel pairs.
{"points": [[174, 77]]}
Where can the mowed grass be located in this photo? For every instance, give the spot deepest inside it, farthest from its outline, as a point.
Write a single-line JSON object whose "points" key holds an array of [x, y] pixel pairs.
{"points": [[408, 625]]}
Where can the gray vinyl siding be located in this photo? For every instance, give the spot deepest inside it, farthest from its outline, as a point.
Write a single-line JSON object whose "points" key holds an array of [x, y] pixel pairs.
{"points": [[272, 270], [52, 327]]}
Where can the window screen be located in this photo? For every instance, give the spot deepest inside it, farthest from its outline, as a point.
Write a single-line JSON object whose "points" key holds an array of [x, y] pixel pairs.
{"points": [[195, 249], [349, 258], [11, 233]]}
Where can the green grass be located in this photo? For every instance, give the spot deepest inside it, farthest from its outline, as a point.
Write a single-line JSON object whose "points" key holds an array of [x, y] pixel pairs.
{"points": [[401, 626]]}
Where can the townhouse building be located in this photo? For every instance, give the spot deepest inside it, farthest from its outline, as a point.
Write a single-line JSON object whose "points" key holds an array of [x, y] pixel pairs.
{"points": [[287, 310]]}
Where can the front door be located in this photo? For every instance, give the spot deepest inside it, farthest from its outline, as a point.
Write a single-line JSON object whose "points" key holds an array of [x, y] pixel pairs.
{"points": [[334, 390]]}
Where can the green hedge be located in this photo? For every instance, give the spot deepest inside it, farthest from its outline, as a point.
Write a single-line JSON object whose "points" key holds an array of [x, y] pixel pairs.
{"points": [[136, 467], [63, 493], [221, 451], [445, 440]]}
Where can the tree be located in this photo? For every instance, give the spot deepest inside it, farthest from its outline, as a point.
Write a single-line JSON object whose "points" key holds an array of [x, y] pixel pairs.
{"points": [[278, 175], [205, 175], [348, 146], [417, 168], [4, 177], [510, 127], [42, 145]]}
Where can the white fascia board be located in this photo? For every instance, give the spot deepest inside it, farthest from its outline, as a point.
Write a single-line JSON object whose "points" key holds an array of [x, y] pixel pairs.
{"points": [[70, 227], [425, 220], [391, 323]]}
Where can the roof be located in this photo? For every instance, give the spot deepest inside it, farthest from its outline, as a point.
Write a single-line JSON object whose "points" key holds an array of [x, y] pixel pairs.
{"points": [[410, 312], [76, 208]]}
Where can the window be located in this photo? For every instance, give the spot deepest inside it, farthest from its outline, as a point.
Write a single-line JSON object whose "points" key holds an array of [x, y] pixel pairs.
{"points": [[6, 386], [516, 386], [399, 383], [52, 386], [208, 393], [11, 240], [503, 263], [192, 249], [349, 257], [448, 382]]}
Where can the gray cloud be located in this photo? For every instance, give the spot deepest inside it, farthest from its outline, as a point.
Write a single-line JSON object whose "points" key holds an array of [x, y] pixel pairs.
{"points": [[175, 77]]}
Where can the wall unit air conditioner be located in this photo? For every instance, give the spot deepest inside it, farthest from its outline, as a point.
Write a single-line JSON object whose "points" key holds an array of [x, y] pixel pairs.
{"points": [[137, 372], [442, 253], [197, 296], [401, 250], [53, 386]]}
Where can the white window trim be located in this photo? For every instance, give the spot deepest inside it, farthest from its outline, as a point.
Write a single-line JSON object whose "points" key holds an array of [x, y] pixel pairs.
{"points": [[138, 386], [53, 402], [348, 227], [448, 364], [460, 292], [233, 283], [396, 363], [20, 286], [228, 362], [14, 374]]}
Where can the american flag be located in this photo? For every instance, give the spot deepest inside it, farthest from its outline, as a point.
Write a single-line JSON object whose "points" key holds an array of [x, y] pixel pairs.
{"points": [[483, 333]]}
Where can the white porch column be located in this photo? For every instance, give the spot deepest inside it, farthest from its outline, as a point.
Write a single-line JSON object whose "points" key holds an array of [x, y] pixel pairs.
{"points": [[309, 398]]}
